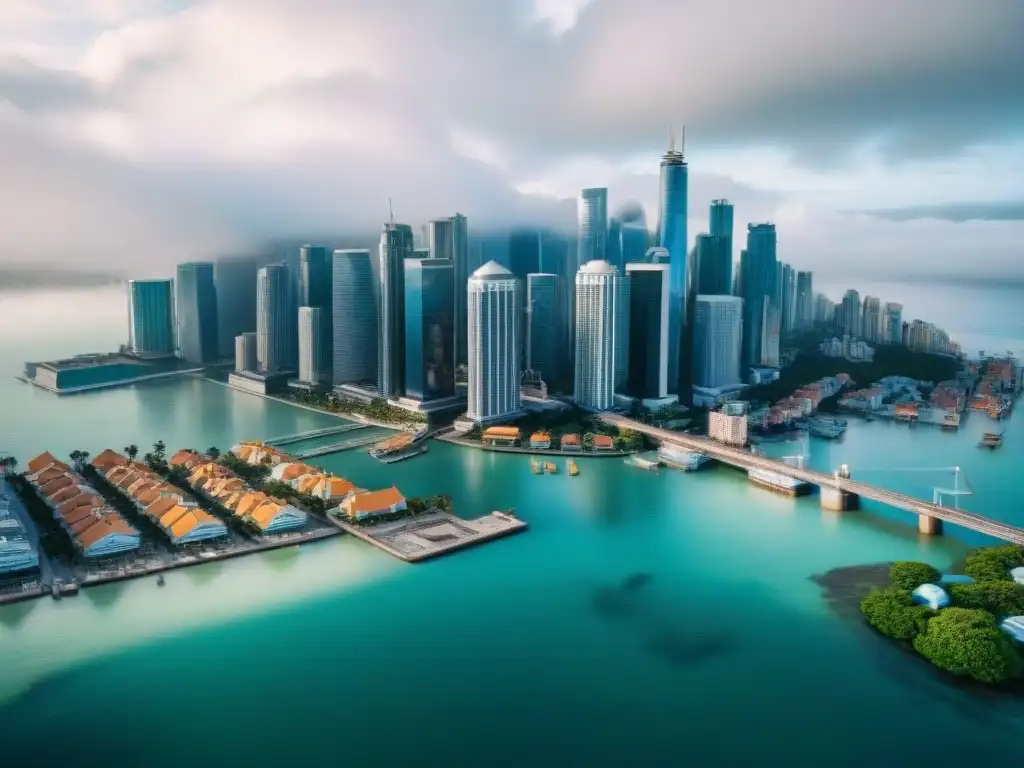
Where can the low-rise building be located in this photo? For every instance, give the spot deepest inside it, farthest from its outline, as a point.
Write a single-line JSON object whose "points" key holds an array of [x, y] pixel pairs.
{"points": [[570, 442], [501, 435], [540, 440], [603, 443], [731, 430], [267, 513], [313, 481], [370, 504]]}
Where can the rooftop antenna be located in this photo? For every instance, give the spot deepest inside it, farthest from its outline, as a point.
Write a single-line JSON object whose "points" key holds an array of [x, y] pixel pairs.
{"points": [[671, 139], [391, 211], [682, 140]]}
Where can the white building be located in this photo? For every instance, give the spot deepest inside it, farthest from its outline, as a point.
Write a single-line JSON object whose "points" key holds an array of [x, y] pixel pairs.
{"points": [[717, 335], [311, 355], [731, 430], [245, 352], [492, 295], [599, 298]]}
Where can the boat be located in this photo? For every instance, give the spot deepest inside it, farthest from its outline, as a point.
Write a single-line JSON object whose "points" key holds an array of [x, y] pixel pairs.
{"points": [[679, 458], [823, 426], [55, 590], [160, 580], [550, 467], [535, 467], [779, 483], [991, 440], [640, 461], [573, 469]]}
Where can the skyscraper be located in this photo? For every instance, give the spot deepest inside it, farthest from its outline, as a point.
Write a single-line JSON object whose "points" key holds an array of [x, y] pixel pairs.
{"points": [[316, 289], [492, 304], [460, 259], [235, 282], [722, 224], [396, 245], [524, 249], [647, 376], [151, 317], [770, 336], [441, 239], [718, 324], [850, 313], [714, 265], [871, 319], [758, 266], [613, 251], [544, 346], [824, 311], [592, 218], [893, 324], [276, 334], [355, 318], [311, 329], [804, 301], [429, 329], [245, 352], [633, 238], [672, 214], [598, 303], [197, 313], [787, 298]]}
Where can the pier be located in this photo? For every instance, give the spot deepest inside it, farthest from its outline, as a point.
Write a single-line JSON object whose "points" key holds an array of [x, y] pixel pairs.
{"points": [[838, 491], [298, 437], [347, 445]]}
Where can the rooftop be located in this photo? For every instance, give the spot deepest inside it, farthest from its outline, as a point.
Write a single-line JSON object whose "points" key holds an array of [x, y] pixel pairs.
{"points": [[492, 269], [598, 266], [371, 501]]}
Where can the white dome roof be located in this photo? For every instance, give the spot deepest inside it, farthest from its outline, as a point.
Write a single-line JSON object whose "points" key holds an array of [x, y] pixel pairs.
{"points": [[492, 270], [597, 266]]}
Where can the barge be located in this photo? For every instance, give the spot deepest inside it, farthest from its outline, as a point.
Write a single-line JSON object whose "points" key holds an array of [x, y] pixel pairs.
{"points": [[679, 458], [774, 481]]}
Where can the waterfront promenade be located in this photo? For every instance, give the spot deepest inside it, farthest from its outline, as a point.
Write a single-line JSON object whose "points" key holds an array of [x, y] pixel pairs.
{"points": [[526, 449], [742, 459]]}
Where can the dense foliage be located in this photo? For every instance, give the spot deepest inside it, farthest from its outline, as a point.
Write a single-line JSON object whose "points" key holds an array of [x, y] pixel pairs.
{"points": [[969, 643], [378, 409], [893, 613], [1000, 598], [994, 563], [911, 575]]}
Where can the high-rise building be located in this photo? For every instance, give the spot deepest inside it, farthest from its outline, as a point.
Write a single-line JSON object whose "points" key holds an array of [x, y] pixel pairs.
{"points": [[824, 311], [592, 219], [714, 265], [804, 301], [197, 313], [235, 282], [441, 239], [672, 212], [246, 358], [871, 319], [151, 317], [598, 304], [545, 350], [276, 333], [634, 242], [396, 246], [460, 259], [558, 256], [787, 298], [492, 303], [429, 329], [717, 331], [316, 289], [721, 224], [647, 370], [311, 359], [613, 252], [850, 313], [758, 267], [770, 336], [893, 323], [355, 318]]}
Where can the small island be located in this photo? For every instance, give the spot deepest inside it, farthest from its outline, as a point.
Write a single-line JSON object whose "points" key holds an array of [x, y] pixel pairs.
{"points": [[968, 625]]}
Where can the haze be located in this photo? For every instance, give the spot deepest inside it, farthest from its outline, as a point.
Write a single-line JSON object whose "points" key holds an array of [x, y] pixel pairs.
{"points": [[884, 139]]}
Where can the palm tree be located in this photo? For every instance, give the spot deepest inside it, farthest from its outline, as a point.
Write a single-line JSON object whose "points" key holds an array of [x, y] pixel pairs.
{"points": [[213, 452], [131, 451], [159, 449]]}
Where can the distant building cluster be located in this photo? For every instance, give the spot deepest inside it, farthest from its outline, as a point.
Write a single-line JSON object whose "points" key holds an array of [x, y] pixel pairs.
{"points": [[848, 347]]}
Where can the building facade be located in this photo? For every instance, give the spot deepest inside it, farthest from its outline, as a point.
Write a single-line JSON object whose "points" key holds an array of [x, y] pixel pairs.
{"points": [[647, 369], [787, 298], [246, 358], [311, 357], [598, 304], [871, 319], [728, 429], [545, 352], [850, 313], [396, 244], [355, 318], [804, 301], [672, 214], [429, 329], [758, 282], [235, 282], [493, 310], [196, 312], [461, 268], [714, 265], [592, 221], [276, 331], [721, 225], [316, 289], [441, 239], [151, 317], [893, 323], [717, 334]]}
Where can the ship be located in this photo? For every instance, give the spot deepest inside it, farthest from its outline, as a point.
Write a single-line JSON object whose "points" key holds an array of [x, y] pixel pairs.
{"points": [[391, 446], [535, 467], [679, 458], [573, 469], [779, 483], [550, 467], [991, 440], [822, 426]]}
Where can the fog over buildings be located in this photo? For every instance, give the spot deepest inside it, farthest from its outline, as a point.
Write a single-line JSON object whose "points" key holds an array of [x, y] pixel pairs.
{"points": [[147, 133]]}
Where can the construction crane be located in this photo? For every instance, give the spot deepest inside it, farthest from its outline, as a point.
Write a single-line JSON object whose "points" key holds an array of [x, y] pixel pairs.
{"points": [[938, 493]]}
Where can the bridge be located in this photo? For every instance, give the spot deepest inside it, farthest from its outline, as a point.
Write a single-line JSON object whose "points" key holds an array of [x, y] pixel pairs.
{"points": [[323, 450], [298, 437], [931, 515]]}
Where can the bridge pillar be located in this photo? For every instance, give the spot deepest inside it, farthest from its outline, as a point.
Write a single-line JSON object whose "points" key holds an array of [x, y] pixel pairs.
{"points": [[928, 525], [838, 500]]}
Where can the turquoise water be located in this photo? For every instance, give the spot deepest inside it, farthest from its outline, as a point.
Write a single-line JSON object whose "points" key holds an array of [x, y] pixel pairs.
{"points": [[524, 651]]}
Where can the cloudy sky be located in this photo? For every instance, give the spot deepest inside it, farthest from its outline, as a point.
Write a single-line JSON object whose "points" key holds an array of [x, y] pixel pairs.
{"points": [[880, 137]]}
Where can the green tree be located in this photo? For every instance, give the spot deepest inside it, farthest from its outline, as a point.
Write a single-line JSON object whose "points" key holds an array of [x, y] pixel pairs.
{"points": [[415, 505], [79, 459], [213, 452], [911, 575], [893, 613], [8, 464], [1000, 598], [159, 449], [131, 451], [441, 501], [969, 643], [994, 563]]}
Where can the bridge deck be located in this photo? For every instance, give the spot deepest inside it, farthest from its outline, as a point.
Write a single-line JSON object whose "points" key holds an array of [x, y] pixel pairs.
{"points": [[738, 457], [337, 447], [313, 433]]}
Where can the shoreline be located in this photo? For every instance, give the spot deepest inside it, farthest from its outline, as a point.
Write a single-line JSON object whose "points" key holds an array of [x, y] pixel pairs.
{"points": [[530, 451]]}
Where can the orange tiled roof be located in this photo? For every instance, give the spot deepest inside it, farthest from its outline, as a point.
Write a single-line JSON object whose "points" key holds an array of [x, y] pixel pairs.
{"points": [[501, 432], [107, 525], [371, 501], [603, 441], [108, 458], [50, 488], [570, 439], [339, 486], [540, 437], [42, 461]]}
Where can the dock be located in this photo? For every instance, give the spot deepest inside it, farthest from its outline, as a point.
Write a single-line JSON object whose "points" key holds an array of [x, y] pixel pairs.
{"points": [[415, 539], [347, 445], [299, 437]]}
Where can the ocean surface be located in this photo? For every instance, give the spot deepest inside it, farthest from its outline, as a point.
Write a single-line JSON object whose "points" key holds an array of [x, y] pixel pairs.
{"points": [[533, 650]]}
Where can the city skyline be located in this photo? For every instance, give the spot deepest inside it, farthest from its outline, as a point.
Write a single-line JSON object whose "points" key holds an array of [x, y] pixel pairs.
{"points": [[870, 179]]}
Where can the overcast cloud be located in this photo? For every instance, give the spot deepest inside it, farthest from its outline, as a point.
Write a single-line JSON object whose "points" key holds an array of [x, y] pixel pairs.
{"points": [[137, 133]]}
